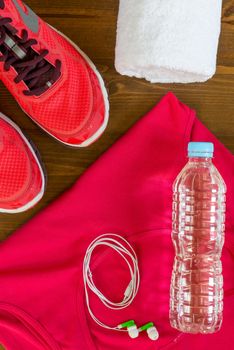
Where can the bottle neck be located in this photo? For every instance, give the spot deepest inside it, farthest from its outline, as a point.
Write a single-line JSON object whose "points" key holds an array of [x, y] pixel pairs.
{"points": [[206, 160]]}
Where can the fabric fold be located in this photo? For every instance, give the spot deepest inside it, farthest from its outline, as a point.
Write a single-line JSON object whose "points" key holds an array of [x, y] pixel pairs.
{"points": [[127, 191]]}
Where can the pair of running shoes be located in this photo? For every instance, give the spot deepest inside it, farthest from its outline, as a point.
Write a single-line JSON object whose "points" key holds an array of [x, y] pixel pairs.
{"points": [[57, 86]]}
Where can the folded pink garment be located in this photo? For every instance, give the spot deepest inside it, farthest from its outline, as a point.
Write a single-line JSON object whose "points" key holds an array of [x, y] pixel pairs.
{"points": [[128, 191]]}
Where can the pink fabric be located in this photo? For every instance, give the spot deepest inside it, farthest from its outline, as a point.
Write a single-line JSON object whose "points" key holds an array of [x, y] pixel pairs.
{"points": [[127, 191]]}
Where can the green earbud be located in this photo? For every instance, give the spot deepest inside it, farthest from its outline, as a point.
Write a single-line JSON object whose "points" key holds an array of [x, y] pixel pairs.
{"points": [[126, 324], [132, 329], [151, 330]]}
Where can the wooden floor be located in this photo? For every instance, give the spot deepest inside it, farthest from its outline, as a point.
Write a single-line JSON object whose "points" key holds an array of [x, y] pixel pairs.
{"points": [[92, 25]]}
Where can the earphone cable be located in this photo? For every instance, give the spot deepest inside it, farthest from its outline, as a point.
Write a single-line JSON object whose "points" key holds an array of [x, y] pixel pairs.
{"points": [[125, 250]]}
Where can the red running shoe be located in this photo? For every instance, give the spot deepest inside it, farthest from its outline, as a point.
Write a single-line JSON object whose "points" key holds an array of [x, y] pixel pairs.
{"points": [[53, 81], [22, 181]]}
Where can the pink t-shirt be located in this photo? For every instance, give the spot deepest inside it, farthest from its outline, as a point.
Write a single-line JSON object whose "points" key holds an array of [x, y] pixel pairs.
{"points": [[128, 191]]}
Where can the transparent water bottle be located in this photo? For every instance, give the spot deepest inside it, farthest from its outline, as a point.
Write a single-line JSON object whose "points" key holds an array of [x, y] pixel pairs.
{"points": [[196, 303]]}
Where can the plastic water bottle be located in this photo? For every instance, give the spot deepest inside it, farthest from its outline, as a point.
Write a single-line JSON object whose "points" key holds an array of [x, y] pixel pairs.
{"points": [[196, 303]]}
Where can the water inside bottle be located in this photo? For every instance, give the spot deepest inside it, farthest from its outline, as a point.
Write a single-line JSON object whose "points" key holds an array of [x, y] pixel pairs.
{"points": [[196, 303]]}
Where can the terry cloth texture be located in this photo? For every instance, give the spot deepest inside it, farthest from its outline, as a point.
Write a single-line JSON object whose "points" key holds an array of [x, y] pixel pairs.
{"points": [[168, 41]]}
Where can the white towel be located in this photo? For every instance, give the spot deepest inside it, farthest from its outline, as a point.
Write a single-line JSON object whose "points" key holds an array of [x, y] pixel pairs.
{"points": [[168, 40]]}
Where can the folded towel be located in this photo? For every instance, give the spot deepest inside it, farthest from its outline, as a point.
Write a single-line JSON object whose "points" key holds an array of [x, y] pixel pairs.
{"points": [[168, 40]]}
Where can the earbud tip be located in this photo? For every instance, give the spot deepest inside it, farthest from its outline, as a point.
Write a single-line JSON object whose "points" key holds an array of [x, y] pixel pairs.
{"points": [[153, 333], [133, 332]]}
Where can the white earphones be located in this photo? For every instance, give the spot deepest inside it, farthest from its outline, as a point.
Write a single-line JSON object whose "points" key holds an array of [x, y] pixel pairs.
{"points": [[134, 331], [122, 247]]}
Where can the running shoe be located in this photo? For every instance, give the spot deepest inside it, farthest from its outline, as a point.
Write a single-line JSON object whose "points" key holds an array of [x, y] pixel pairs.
{"points": [[22, 180], [53, 81]]}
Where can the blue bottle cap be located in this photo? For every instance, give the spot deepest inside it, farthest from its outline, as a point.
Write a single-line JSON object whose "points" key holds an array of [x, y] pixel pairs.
{"points": [[200, 149]]}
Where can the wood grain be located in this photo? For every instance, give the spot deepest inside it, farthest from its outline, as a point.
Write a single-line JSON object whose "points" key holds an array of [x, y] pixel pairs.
{"points": [[92, 25]]}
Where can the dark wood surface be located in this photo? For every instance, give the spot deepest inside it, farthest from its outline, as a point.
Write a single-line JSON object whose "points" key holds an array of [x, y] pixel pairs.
{"points": [[92, 25]]}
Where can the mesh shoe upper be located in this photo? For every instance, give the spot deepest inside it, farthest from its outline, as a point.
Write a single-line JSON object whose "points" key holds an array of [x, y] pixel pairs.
{"points": [[21, 178], [73, 107]]}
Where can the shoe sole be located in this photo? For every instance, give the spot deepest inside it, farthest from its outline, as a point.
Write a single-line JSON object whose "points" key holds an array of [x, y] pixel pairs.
{"points": [[40, 164], [102, 128]]}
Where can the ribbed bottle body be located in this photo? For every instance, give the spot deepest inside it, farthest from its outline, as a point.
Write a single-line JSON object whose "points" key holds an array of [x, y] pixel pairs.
{"points": [[196, 303]]}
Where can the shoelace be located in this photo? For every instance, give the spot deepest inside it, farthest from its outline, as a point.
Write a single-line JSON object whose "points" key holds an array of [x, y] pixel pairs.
{"points": [[32, 68]]}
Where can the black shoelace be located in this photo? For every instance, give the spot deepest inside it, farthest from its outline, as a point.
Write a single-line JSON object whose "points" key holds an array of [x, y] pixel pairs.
{"points": [[32, 67]]}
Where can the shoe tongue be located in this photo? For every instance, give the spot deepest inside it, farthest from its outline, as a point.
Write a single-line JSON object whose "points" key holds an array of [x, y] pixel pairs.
{"points": [[44, 78], [16, 49]]}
